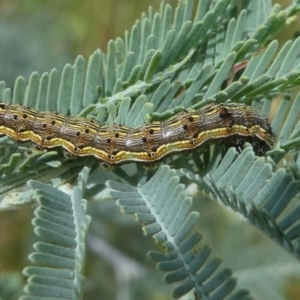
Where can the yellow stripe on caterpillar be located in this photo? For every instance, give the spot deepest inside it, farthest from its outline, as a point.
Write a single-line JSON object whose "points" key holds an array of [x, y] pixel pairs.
{"points": [[229, 123]]}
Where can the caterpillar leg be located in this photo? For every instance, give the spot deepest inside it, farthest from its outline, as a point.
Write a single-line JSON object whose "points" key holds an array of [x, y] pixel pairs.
{"points": [[68, 155], [33, 149], [106, 166], [150, 166]]}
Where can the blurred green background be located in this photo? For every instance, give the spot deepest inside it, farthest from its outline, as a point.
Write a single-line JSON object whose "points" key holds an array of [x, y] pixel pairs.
{"points": [[40, 35]]}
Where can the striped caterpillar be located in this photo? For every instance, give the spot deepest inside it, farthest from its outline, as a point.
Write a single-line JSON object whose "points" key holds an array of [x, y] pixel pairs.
{"points": [[230, 123]]}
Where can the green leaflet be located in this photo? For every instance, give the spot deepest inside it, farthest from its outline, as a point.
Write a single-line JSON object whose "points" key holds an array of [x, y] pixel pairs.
{"points": [[252, 187], [162, 204], [60, 223]]}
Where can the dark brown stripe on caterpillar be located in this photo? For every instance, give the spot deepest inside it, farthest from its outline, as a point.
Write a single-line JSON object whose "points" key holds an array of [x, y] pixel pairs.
{"points": [[230, 123]]}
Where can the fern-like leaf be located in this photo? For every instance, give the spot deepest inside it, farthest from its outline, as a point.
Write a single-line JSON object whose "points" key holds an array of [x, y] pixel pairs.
{"points": [[259, 191], [60, 224], [162, 206]]}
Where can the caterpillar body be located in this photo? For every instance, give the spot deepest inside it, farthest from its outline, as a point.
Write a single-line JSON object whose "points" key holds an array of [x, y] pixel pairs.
{"points": [[230, 123]]}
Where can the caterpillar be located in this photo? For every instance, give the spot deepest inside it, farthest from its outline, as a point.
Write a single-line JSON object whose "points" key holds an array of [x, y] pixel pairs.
{"points": [[229, 123]]}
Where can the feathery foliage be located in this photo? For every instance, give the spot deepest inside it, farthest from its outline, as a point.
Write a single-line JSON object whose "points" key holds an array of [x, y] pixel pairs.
{"points": [[60, 223], [170, 60], [165, 215]]}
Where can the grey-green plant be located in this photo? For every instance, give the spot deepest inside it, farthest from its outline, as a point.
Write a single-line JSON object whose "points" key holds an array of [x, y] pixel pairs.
{"points": [[178, 58]]}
